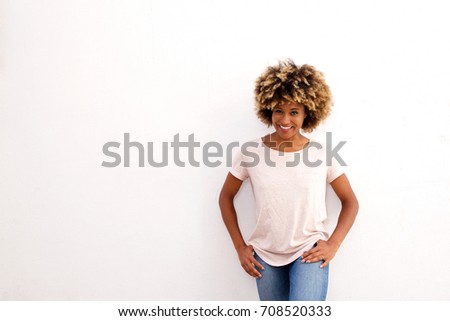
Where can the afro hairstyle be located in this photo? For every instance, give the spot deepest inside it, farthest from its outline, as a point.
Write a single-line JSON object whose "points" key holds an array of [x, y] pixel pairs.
{"points": [[287, 82]]}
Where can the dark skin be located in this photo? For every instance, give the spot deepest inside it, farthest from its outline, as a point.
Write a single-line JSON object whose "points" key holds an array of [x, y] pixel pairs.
{"points": [[244, 251], [292, 116], [324, 251]]}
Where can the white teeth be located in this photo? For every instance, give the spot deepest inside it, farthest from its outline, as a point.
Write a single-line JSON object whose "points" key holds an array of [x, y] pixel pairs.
{"points": [[282, 127]]}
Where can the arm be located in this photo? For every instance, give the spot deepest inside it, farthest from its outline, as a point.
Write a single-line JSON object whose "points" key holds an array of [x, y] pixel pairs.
{"points": [[326, 250], [245, 252]]}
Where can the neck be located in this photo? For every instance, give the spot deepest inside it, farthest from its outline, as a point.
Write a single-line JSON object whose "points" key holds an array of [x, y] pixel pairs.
{"points": [[291, 144]]}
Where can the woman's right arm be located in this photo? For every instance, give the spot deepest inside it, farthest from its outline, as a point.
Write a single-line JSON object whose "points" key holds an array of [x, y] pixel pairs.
{"points": [[244, 251]]}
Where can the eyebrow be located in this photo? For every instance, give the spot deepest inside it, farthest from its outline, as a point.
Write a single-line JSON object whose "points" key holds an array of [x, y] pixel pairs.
{"points": [[292, 108]]}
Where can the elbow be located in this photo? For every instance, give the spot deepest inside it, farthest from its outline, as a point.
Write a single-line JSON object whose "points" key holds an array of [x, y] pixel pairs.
{"points": [[351, 204], [355, 203], [223, 199], [356, 206]]}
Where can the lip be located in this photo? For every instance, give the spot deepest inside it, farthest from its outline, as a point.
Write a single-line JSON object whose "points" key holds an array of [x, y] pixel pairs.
{"points": [[285, 128]]}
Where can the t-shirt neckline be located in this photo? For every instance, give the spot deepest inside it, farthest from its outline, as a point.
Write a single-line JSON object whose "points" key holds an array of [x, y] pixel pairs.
{"points": [[282, 152]]}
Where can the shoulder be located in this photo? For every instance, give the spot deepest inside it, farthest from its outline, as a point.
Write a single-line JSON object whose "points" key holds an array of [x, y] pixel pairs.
{"points": [[243, 148], [316, 147], [253, 143], [317, 142]]}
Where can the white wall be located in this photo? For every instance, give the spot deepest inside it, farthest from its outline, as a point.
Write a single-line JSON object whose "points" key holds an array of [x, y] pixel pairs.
{"points": [[78, 74]]}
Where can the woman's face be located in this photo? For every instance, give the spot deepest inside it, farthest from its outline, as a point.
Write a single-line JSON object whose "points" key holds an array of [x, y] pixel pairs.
{"points": [[287, 119]]}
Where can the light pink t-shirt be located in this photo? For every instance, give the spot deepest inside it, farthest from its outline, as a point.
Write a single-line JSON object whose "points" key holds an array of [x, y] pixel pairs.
{"points": [[289, 190]]}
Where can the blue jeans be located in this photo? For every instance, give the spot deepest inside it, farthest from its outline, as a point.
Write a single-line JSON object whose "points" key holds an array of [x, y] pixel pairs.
{"points": [[293, 282]]}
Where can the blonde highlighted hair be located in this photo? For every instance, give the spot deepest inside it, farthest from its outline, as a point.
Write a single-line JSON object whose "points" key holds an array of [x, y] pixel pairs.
{"points": [[287, 82]]}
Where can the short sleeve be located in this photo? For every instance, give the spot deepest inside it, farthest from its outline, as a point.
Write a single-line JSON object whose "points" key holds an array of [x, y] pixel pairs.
{"points": [[334, 170], [237, 169]]}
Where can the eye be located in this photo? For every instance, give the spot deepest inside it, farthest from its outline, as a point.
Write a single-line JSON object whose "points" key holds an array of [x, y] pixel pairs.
{"points": [[278, 111], [293, 113]]}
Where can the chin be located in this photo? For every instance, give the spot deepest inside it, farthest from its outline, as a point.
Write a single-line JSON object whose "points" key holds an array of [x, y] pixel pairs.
{"points": [[286, 136]]}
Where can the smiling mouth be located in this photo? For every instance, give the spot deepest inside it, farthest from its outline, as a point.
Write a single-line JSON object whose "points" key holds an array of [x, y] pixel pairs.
{"points": [[285, 128]]}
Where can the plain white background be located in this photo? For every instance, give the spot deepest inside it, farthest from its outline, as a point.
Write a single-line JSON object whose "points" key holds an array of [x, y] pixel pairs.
{"points": [[78, 74]]}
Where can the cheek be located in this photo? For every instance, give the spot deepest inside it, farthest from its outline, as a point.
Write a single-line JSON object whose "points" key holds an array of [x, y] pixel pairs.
{"points": [[299, 120]]}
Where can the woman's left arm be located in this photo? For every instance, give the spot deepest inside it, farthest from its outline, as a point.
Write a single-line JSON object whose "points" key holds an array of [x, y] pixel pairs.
{"points": [[326, 250]]}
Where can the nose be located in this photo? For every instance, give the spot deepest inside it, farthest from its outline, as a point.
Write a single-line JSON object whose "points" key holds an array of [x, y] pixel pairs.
{"points": [[285, 120]]}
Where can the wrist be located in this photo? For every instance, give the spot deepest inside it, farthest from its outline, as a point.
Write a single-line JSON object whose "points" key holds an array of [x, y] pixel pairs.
{"points": [[240, 246], [334, 243]]}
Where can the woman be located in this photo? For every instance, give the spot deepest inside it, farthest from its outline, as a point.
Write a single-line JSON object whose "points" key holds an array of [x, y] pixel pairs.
{"points": [[289, 250]]}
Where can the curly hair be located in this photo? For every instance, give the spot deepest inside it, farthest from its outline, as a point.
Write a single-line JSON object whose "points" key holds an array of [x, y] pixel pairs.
{"points": [[287, 82]]}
